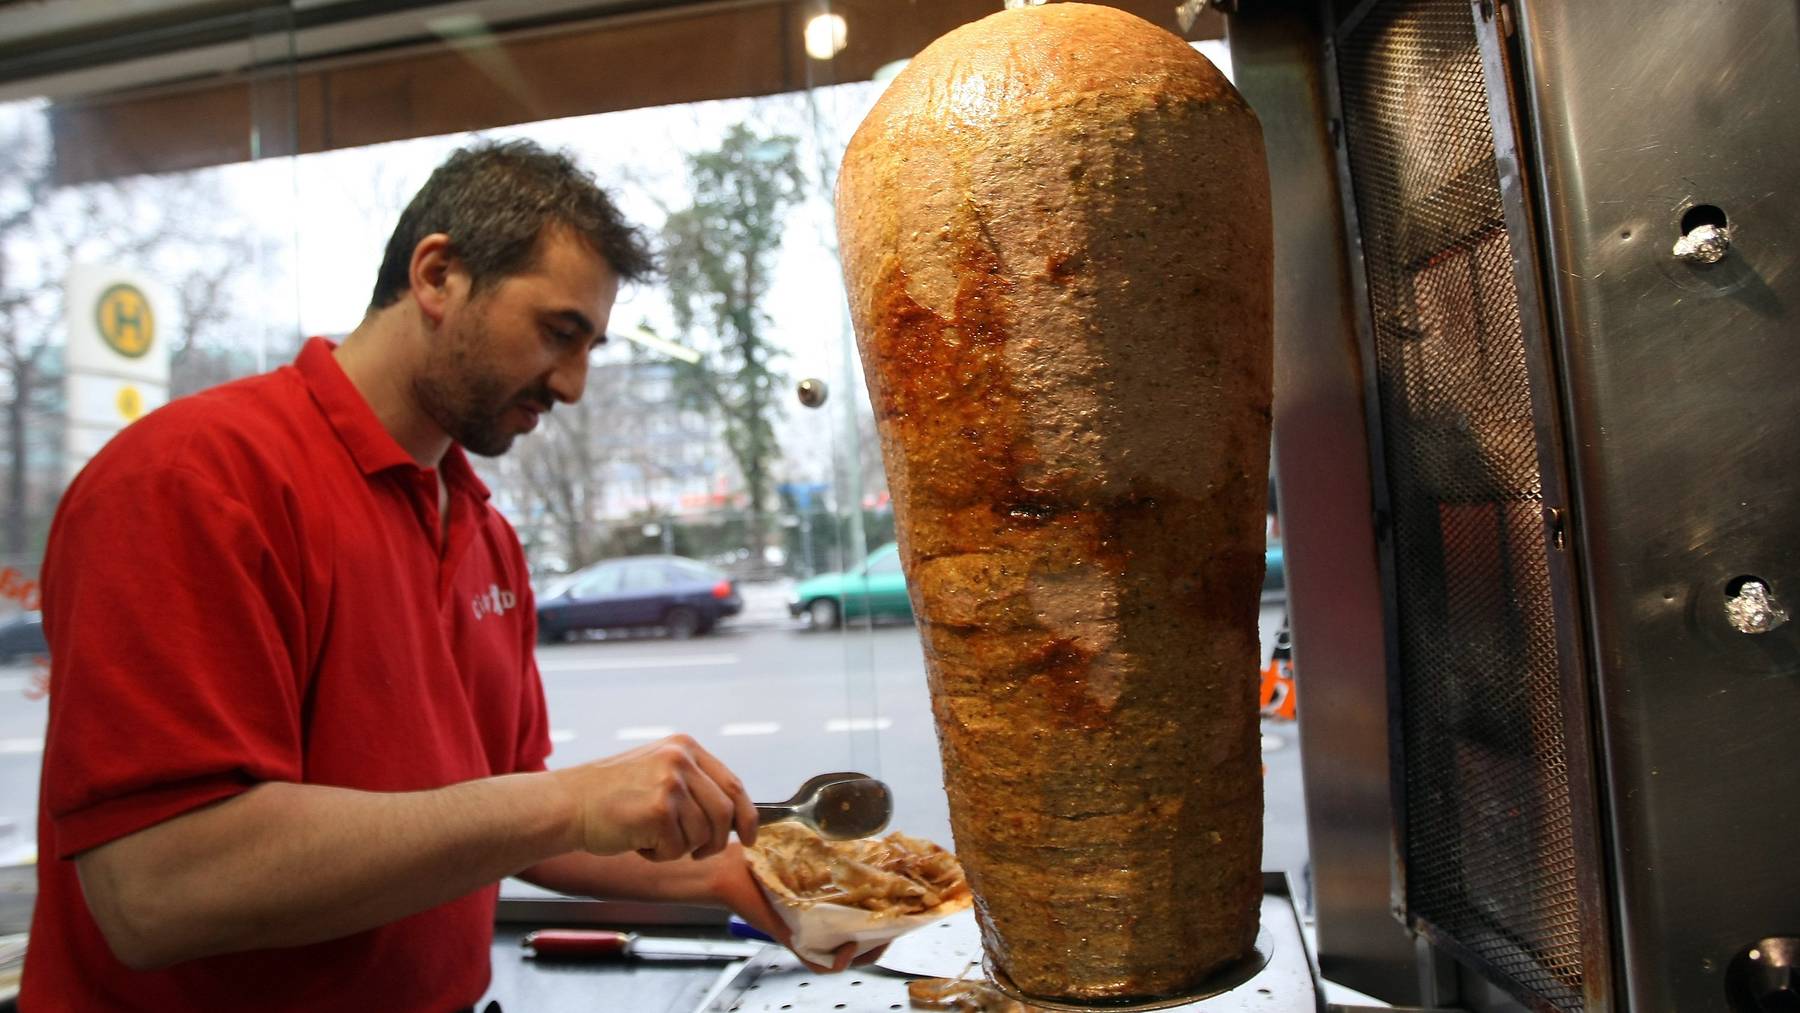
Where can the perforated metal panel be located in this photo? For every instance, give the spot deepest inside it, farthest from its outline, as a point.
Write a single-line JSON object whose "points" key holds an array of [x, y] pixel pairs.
{"points": [[1488, 830]]}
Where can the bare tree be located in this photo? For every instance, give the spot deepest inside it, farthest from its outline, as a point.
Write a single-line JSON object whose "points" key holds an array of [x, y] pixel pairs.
{"points": [[170, 222], [209, 349], [558, 477], [561, 481]]}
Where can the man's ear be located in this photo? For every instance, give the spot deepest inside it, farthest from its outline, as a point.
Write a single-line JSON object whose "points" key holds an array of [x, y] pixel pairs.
{"points": [[436, 276]]}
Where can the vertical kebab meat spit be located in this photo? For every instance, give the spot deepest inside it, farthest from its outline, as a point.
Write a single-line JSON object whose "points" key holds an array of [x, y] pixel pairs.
{"points": [[1056, 242]]}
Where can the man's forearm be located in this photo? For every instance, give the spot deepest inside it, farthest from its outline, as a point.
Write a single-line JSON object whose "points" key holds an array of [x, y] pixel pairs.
{"points": [[290, 864], [632, 877]]}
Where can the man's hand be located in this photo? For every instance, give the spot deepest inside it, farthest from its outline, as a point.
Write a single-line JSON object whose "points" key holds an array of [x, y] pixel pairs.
{"points": [[734, 886], [724, 879], [666, 800]]}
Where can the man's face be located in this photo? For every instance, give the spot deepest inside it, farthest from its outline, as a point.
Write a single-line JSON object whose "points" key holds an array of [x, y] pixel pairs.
{"points": [[509, 353]]}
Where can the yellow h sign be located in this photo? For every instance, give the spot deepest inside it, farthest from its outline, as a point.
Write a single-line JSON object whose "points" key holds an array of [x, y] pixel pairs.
{"points": [[126, 322]]}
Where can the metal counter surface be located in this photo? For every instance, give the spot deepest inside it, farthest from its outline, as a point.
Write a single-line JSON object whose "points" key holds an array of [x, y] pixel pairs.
{"points": [[777, 982], [522, 984]]}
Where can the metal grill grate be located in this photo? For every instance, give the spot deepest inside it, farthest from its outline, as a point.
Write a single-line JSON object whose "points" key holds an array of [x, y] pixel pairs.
{"points": [[1489, 834]]}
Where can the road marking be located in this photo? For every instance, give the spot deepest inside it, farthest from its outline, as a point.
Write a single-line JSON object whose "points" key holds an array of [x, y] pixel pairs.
{"points": [[618, 664], [558, 736], [1271, 743], [859, 724], [643, 733], [15, 746], [751, 728]]}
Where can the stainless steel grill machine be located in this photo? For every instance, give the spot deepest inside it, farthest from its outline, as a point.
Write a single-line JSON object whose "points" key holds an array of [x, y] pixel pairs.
{"points": [[1537, 372]]}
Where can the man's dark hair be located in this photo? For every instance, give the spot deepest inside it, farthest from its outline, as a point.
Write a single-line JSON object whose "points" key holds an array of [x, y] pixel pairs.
{"points": [[494, 201]]}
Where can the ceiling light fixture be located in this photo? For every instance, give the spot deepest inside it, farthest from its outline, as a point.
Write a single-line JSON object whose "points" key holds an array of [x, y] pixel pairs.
{"points": [[825, 36]]}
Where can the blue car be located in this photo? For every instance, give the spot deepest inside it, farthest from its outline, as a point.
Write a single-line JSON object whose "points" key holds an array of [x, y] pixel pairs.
{"points": [[684, 597]]}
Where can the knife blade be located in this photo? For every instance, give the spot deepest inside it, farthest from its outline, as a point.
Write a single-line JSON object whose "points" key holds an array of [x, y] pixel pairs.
{"points": [[600, 944]]}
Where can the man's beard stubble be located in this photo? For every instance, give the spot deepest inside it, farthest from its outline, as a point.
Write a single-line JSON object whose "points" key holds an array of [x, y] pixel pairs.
{"points": [[464, 397]]}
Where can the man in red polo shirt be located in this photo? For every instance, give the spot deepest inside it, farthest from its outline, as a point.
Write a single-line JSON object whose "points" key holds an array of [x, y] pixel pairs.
{"points": [[296, 730]]}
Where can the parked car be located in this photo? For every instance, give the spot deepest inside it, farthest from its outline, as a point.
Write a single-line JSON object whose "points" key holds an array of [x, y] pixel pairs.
{"points": [[22, 638], [878, 588], [875, 588], [683, 596]]}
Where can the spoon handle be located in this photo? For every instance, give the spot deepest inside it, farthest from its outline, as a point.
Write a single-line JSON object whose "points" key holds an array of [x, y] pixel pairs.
{"points": [[766, 814]]}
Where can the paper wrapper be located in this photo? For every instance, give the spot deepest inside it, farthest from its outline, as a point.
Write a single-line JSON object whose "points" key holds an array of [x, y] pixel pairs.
{"points": [[820, 928]]}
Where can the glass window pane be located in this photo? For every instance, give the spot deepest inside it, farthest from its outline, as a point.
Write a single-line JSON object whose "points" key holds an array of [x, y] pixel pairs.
{"points": [[275, 233]]}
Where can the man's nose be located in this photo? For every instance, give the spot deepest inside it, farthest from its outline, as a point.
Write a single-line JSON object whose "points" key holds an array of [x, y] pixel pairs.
{"points": [[569, 378]]}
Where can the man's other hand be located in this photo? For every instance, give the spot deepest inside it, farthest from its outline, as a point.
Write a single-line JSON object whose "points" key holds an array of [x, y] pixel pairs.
{"points": [[734, 886]]}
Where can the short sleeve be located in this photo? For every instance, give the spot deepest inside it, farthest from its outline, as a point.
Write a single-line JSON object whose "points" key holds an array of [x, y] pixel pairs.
{"points": [[174, 625]]}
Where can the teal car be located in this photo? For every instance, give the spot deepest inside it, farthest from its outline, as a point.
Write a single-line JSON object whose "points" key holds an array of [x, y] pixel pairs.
{"points": [[877, 588]]}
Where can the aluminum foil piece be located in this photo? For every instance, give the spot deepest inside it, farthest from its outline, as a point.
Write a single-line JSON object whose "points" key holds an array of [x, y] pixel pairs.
{"points": [[1753, 609], [1706, 244], [1015, 4]]}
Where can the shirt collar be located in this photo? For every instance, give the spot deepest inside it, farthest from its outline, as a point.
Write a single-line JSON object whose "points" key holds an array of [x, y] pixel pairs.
{"points": [[370, 444], [460, 474]]}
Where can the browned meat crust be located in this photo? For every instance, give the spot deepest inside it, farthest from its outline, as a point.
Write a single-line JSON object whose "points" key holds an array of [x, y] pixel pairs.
{"points": [[1056, 240]]}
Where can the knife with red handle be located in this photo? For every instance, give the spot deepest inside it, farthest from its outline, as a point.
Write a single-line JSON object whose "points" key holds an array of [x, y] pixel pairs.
{"points": [[601, 944]]}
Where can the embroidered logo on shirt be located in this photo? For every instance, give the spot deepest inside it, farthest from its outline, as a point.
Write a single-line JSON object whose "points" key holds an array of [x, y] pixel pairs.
{"points": [[495, 601]]}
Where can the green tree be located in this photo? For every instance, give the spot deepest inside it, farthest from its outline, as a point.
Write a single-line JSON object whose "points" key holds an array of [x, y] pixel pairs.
{"points": [[719, 253]]}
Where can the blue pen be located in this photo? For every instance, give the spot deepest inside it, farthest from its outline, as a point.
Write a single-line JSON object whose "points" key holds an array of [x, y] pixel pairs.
{"points": [[741, 929]]}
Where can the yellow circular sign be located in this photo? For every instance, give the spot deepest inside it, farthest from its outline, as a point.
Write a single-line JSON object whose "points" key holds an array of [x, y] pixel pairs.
{"points": [[131, 403], [126, 322]]}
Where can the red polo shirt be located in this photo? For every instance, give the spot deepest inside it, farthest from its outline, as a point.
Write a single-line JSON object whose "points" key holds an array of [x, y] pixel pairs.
{"points": [[250, 585]]}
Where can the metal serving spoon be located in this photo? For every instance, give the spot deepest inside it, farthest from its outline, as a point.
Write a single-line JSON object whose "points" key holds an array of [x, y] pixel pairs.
{"points": [[841, 807]]}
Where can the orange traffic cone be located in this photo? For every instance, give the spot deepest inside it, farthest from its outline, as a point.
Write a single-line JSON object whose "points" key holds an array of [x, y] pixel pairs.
{"points": [[1277, 700]]}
